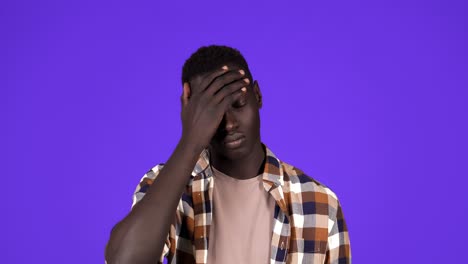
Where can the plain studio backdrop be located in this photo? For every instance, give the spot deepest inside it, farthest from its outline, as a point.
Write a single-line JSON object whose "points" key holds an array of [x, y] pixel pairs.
{"points": [[368, 97]]}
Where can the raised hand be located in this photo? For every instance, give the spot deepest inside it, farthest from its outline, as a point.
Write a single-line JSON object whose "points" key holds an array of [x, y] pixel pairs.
{"points": [[205, 101]]}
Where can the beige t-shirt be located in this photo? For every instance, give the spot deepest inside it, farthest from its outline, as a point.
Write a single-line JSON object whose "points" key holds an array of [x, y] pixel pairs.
{"points": [[242, 224]]}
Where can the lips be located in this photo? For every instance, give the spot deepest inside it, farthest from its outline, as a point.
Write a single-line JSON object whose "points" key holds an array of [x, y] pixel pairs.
{"points": [[232, 138]]}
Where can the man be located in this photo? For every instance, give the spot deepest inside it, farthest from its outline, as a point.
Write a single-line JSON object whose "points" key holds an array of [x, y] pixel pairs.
{"points": [[223, 196]]}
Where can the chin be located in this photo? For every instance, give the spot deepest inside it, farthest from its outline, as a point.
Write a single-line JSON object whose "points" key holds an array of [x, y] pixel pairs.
{"points": [[234, 154], [231, 153]]}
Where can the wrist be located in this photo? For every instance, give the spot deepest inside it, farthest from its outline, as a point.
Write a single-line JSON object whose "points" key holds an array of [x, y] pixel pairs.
{"points": [[190, 146]]}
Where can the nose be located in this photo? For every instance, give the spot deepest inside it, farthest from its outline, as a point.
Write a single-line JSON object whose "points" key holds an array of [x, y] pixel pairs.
{"points": [[229, 122]]}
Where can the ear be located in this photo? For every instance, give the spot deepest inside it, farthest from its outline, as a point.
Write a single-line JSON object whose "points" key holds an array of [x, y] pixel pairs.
{"points": [[258, 94], [185, 94]]}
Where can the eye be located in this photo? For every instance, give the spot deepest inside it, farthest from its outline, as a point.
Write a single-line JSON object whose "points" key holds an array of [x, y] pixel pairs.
{"points": [[240, 103]]}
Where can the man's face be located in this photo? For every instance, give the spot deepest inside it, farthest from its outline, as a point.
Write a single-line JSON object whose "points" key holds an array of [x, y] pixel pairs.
{"points": [[239, 131]]}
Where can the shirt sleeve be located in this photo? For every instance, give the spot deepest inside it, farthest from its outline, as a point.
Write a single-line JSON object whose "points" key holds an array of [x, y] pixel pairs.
{"points": [[140, 191], [338, 246]]}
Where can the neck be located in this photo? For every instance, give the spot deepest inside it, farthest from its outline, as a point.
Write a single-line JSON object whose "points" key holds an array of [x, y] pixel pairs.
{"points": [[245, 168]]}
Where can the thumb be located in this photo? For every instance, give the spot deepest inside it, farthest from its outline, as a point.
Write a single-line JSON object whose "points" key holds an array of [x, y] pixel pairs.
{"points": [[185, 94]]}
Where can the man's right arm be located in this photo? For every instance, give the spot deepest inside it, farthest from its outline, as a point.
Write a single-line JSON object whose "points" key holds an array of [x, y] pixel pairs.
{"points": [[140, 236]]}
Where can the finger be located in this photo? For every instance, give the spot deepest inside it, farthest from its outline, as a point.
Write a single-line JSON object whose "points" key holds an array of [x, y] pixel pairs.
{"points": [[185, 94], [230, 88], [224, 80], [212, 76], [231, 98]]}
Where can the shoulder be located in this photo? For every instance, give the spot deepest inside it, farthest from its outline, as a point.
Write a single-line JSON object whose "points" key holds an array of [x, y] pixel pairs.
{"points": [[305, 188], [145, 182], [149, 177]]}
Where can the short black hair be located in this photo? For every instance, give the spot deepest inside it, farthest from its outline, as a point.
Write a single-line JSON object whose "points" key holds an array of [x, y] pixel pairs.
{"points": [[210, 58]]}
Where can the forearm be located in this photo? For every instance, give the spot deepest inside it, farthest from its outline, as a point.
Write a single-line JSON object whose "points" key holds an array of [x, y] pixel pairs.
{"points": [[140, 237]]}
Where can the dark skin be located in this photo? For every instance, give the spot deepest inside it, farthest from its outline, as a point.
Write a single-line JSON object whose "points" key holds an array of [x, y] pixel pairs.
{"points": [[217, 108], [242, 119]]}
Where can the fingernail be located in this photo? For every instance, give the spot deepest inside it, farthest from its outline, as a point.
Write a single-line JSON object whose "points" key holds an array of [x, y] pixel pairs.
{"points": [[225, 67], [242, 72], [246, 80], [244, 89]]}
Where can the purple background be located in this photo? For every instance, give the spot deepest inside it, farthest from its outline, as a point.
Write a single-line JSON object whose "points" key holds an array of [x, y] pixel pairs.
{"points": [[368, 97]]}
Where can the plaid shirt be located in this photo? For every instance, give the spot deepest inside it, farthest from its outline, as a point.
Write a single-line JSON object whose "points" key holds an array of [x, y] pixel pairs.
{"points": [[309, 225]]}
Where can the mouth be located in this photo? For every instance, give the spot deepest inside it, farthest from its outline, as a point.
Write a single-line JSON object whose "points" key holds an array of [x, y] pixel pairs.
{"points": [[233, 141]]}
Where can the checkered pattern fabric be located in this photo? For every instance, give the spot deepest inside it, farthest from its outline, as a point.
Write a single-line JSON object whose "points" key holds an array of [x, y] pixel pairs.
{"points": [[309, 226]]}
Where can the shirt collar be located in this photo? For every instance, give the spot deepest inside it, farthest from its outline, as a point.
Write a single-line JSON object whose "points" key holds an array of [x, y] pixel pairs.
{"points": [[272, 173]]}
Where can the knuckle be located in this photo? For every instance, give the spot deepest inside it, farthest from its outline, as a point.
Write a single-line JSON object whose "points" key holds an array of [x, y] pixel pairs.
{"points": [[218, 82], [215, 76]]}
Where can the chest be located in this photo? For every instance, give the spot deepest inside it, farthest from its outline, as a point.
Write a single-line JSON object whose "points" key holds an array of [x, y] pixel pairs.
{"points": [[296, 234]]}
